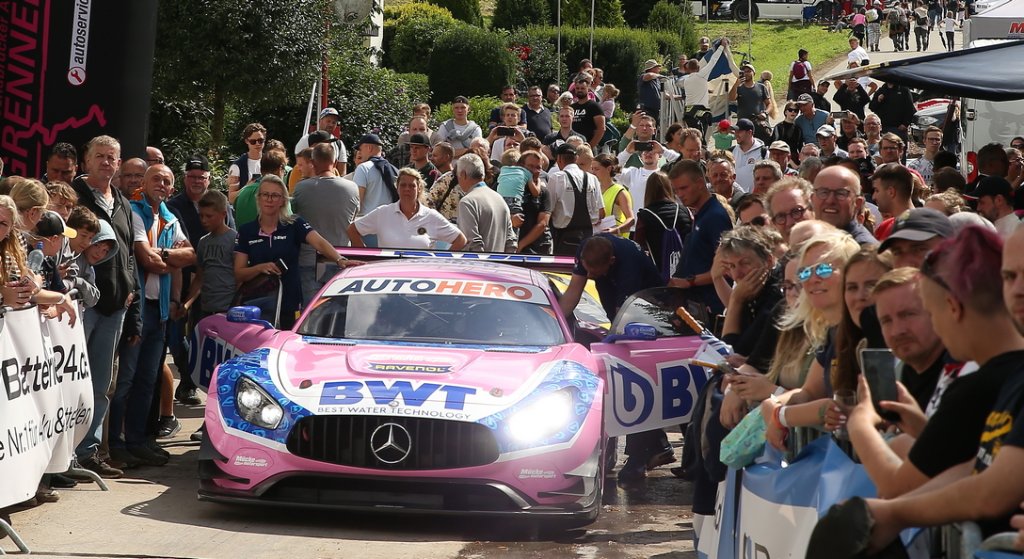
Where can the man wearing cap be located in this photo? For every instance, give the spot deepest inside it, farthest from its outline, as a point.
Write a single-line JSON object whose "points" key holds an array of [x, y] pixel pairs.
{"points": [[399, 155], [837, 201], [893, 187], [419, 147], [185, 205], [587, 115], [995, 203], [810, 118], [751, 98], [538, 117], [329, 203], [376, 179], [458, 131], [575, 200], [747, 151], [894, 105], [914, 234], [328, 122], [705, 48], [818, 95], [779, 153], [648, 88], [483, 214], [852, 96], [826, 136]]}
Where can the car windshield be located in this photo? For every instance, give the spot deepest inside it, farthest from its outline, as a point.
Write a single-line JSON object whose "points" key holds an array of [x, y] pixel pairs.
{"points": [[657, 307], [432, 318]]}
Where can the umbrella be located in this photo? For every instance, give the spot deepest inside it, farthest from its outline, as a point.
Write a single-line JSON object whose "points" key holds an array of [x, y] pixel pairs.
{"points": [[992, 73]]}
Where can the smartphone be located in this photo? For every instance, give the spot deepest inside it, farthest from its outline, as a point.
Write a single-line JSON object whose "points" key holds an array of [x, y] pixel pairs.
{"points": [[506, 131], [643, 146], [840, 115], [280, 264], [879, 368]]}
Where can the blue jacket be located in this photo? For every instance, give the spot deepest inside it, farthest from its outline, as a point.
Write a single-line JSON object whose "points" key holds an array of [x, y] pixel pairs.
{"points": [[165, 239]]}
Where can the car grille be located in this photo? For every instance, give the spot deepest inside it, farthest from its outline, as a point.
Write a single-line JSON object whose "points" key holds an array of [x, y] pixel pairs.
{"points": [[427, 444]]}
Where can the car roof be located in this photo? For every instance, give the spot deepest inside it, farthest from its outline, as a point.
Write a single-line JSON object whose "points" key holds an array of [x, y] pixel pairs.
{"points": [[448, 269]]}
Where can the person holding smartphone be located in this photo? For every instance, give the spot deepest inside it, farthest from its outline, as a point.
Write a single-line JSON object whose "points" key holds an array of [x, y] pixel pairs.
{"points": [[508, 132]]}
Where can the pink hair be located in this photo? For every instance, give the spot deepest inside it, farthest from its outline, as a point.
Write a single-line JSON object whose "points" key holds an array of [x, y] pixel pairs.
{"points": [[970, 266]]}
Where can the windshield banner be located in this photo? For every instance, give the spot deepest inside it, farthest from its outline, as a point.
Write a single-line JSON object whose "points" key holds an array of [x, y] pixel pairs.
{"points": [[469, 288], [47, 400], [653, 384]]}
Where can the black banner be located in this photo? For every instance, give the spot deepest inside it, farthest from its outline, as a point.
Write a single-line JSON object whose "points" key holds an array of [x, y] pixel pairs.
{"points": [[71, 70]]}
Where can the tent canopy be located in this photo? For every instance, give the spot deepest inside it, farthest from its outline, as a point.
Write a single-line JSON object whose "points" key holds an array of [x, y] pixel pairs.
{"points": [[992, 73]]}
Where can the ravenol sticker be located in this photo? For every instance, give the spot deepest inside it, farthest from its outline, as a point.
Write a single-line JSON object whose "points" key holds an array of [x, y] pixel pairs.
{"points": [[471, 288], [408, 368]]}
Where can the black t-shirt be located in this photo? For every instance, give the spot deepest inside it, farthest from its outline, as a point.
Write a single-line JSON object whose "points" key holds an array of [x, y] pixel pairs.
{"points": [[757, 319], [922, 385], [763, 352], [1002, 426], [583, 115], [532, 207]]}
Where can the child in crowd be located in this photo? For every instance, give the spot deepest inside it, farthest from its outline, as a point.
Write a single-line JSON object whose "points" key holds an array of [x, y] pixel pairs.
{"points": [[724, 137], [513, 180], [62, 198], [54, 234], [89, 229], [215, 272]]}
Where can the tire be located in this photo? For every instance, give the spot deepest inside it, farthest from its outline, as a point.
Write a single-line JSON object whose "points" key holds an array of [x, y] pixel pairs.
{"points": [[739, 10]]}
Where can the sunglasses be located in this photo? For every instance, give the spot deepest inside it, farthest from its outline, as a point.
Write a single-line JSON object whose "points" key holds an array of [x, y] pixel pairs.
{"points": [[256, 142], [823, 271]]}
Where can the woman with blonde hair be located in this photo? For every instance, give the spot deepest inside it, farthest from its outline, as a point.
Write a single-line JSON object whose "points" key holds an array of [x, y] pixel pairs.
{"points": [[19, 287], [32, 200]]}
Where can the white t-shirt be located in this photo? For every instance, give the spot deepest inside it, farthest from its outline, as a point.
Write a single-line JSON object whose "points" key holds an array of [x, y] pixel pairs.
{"points": [[341, 154], [254, 169], [139, 234], [635, 179], [949, 24], [394, 230], [857, 56]]}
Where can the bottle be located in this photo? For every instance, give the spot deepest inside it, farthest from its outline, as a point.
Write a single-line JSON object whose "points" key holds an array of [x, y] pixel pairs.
{"points": [[35, 259]]}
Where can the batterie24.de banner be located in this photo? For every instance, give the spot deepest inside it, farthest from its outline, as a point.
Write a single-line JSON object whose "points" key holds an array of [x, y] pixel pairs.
{"points": [[46, 401]]}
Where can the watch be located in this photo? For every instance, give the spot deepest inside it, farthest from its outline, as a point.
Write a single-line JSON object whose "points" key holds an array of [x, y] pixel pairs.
{"points": [[691, 281], [164, 254]]}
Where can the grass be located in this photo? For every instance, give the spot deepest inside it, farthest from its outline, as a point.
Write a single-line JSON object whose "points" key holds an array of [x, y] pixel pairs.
{"points": [[775, 44]]}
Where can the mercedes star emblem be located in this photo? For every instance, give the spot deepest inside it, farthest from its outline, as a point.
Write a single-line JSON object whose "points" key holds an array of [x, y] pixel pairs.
{"points": [[390, 443]]}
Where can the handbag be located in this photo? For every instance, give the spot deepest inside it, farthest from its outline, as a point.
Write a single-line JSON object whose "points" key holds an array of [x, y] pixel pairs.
{"points": [[745, 442]]}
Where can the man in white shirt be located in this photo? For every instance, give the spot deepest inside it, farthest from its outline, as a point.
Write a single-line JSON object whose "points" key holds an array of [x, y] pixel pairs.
{"points": [[576, 202], [328, 122], [857, 54], [995, 203]]}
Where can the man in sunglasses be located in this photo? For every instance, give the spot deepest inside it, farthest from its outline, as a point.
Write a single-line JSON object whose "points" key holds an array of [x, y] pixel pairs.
{"points": [[837, 200], [789, 203]]}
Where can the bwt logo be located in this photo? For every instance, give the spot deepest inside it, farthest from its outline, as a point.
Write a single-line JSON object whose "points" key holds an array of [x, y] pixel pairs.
{"points": [[636, 397], [348, 393]]}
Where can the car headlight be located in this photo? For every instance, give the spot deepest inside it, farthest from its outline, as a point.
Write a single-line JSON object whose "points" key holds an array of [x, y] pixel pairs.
{"points": [[256, 406], [927, 120], [543, 418]]}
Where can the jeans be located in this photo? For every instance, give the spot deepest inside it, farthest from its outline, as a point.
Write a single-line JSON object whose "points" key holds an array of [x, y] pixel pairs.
{"points": [[311, 283], [102, 333], [136, 380]]}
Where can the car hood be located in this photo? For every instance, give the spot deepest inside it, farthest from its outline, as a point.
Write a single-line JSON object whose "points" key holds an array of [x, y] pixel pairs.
{"points": [[320, 374]]}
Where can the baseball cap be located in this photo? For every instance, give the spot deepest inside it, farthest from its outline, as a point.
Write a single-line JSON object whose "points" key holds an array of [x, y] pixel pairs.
{"points": [[51, 224], [724, 125], [779, 145], [651, 63], [329, 111], [919, 224], [992, 186], [370, 139], [319, 137], [460, 99], [565, 149], [804, 98], [745, 124], [418, 140], [197, 163], [825, 130]]}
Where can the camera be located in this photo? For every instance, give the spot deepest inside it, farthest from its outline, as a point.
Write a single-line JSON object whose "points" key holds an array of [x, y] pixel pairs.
{"points": [[840, 115], [505, 131], [643, 146]]}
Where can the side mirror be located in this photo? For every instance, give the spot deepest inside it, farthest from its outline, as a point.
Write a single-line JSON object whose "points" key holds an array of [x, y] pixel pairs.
{"points": [[247, 315], [640, 331]]}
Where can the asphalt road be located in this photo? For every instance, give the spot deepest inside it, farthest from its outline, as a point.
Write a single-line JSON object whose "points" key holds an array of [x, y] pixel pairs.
{"points": [[154, 513]]}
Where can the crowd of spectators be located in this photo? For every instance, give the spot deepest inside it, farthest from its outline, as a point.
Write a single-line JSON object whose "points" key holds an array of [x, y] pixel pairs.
{"points": [[809, 239]]}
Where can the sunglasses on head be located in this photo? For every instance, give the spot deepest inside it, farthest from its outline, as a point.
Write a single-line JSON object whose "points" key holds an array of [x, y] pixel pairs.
{"points": [[823, 271]]}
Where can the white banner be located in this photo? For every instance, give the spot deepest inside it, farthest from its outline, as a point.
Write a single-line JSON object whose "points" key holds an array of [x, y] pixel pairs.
{"points": [[45, 401]]}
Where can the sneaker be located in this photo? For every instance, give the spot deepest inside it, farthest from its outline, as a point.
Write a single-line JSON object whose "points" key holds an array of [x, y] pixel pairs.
{"points": [[167, 427], [198, 435], [633, 471], [47, 496], [147, 456], [660, 459], [62, 482], [155, 447], [101, 468], [187, 396], [122, 459]]}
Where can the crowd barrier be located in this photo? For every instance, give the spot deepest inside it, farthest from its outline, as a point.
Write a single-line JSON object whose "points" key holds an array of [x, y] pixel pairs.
{"points": [[46, 402]]}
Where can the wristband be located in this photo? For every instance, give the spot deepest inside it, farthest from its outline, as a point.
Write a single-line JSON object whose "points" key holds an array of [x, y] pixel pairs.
{"points": [[782, 417]]}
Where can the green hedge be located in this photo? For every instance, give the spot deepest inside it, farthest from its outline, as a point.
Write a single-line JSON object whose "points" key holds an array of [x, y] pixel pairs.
{"points": [[576, 13], [480, 108], [417, 86], [619, 52], [470, 61], [513, 14], [465, 10], [415, 39], [370, 99], [395, 16]]}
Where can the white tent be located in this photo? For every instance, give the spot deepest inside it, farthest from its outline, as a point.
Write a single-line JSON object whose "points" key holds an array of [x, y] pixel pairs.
{"points": [[1005, 21]]}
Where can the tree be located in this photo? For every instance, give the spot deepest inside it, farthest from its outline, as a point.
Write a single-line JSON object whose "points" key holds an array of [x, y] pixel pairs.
{"points": [[470, 61], [576, 13], [466, 10], [513, 14], [637, 11], [220, 52], [672, 17]]}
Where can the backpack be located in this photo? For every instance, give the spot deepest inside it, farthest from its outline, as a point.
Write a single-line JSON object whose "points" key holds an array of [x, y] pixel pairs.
{"points": [[388, 173], [671, 246], [799, 70]]}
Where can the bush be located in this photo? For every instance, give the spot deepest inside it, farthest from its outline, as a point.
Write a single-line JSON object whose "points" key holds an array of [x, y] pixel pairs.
{"points": [[576, 13], [619, 52], [470, 61], [637, 11], [465, 10], [417, 87], [513, 14], [415, 38], [370, 99], [480, 108], [673, 18], [394, 16], [537, 62]]}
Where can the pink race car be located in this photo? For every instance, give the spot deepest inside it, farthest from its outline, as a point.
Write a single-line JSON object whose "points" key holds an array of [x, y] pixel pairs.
{"points": [[421, 385]]}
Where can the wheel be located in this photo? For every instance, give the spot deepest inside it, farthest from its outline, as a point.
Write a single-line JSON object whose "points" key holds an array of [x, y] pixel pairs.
{"points": [[739, 10]]}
